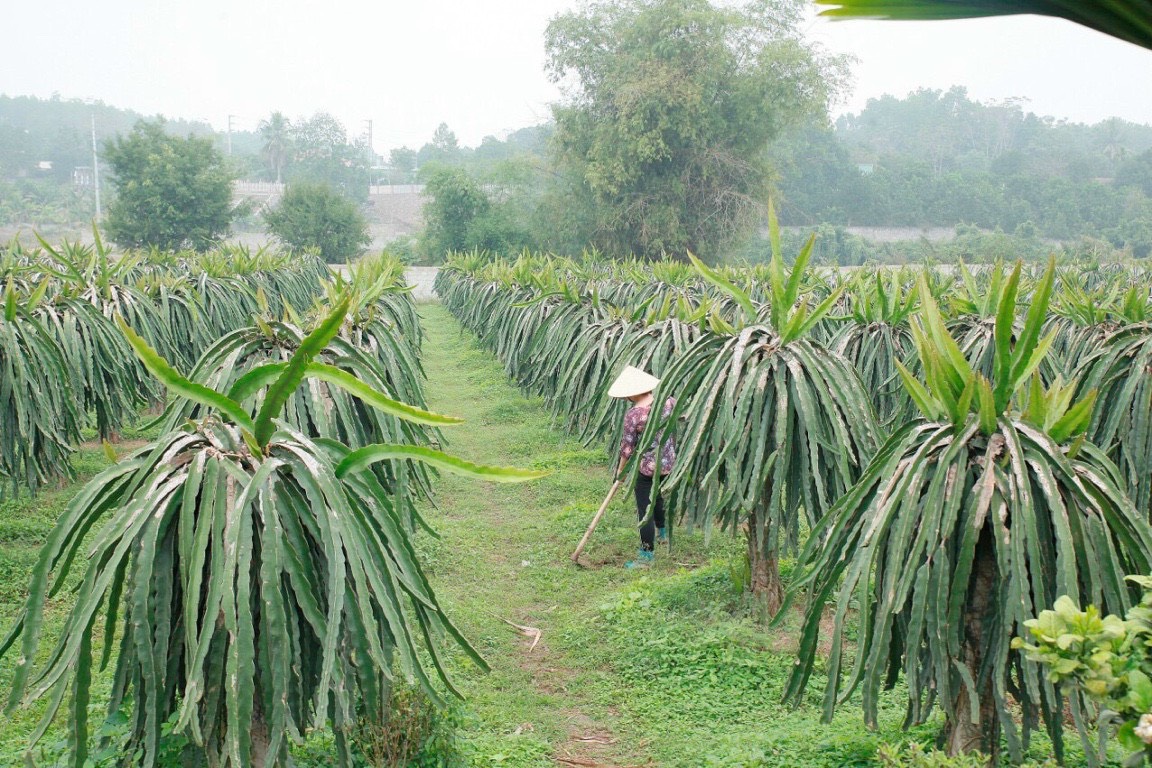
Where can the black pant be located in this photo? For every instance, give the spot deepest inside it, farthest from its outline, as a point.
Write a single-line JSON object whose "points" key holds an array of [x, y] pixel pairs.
{"points": [[643, 498]]}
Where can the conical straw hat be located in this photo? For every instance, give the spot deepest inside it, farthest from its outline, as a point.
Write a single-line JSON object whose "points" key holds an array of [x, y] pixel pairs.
{"points": [[632, 381]]}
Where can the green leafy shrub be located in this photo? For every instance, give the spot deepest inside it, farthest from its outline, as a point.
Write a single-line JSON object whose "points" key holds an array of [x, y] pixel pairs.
{"points": [[315, 216], [1107, 658]]}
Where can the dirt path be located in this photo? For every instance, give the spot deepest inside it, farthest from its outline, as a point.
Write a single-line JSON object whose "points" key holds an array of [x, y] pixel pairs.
{"points": [[502, 561]]}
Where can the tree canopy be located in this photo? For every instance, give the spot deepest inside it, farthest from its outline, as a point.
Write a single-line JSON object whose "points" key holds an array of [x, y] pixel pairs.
{"points": [[314, 216], [940, 159], [322, 154], [171, 192], [460, 215], [671, 104]]}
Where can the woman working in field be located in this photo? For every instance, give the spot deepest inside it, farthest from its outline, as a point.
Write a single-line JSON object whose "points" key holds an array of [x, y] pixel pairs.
{"points": [[635, 385]]}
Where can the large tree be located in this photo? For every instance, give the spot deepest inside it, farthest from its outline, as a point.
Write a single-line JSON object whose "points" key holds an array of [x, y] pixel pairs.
{"points": [[171, 192], [444, 149], [402, 164], [671, 105]]}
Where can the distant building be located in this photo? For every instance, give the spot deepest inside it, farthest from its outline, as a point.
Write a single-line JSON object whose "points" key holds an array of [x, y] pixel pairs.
{"points": [[82, 176]]}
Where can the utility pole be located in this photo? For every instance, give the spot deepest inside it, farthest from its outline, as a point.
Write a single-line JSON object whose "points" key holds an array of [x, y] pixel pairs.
{"points": [[371, 152], [230, 134], [372, 180], [95, 169]]}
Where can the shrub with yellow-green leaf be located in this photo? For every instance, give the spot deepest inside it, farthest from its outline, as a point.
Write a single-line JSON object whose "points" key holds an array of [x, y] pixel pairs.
{"points": [[1108, 658]]}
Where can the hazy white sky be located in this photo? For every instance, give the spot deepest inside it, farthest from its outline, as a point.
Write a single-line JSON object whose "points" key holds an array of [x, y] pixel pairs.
{"points": [[478, 64]]}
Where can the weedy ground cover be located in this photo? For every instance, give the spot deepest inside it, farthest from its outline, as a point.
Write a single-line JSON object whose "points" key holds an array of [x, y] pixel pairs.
{"points": [[25, 522]]}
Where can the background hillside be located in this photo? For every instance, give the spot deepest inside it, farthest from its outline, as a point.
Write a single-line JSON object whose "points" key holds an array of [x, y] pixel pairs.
{"points": [[912, 168]]}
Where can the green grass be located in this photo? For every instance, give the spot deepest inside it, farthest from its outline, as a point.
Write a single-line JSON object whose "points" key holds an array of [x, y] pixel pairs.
{"points": [[662, 667]]}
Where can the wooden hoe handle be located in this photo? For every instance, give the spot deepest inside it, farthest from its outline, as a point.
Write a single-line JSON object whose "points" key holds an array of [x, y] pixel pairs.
{"points": [[595, 520]]}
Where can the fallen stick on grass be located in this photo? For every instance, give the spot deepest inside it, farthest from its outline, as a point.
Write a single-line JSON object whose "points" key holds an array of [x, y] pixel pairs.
{"points": [[531, 632]]}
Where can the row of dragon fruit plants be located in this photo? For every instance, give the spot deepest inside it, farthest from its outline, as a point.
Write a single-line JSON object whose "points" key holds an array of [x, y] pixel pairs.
{"points": [[945, 452]]}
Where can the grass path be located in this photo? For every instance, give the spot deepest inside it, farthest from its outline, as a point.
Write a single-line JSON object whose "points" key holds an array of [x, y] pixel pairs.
{"points": [[503, 557]]}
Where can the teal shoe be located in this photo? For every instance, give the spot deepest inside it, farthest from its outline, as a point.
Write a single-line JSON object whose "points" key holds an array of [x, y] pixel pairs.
{"points": [[662, 536], [643, 559]]}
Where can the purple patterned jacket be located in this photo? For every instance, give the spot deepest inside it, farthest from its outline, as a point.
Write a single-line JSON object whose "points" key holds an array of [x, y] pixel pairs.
{"points": [[634, 422]]}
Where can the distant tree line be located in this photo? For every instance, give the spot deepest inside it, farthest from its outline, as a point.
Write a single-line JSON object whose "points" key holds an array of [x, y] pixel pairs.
{"points": [[939, 158], [1011, 181], [316, 150], [57, 132]]}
